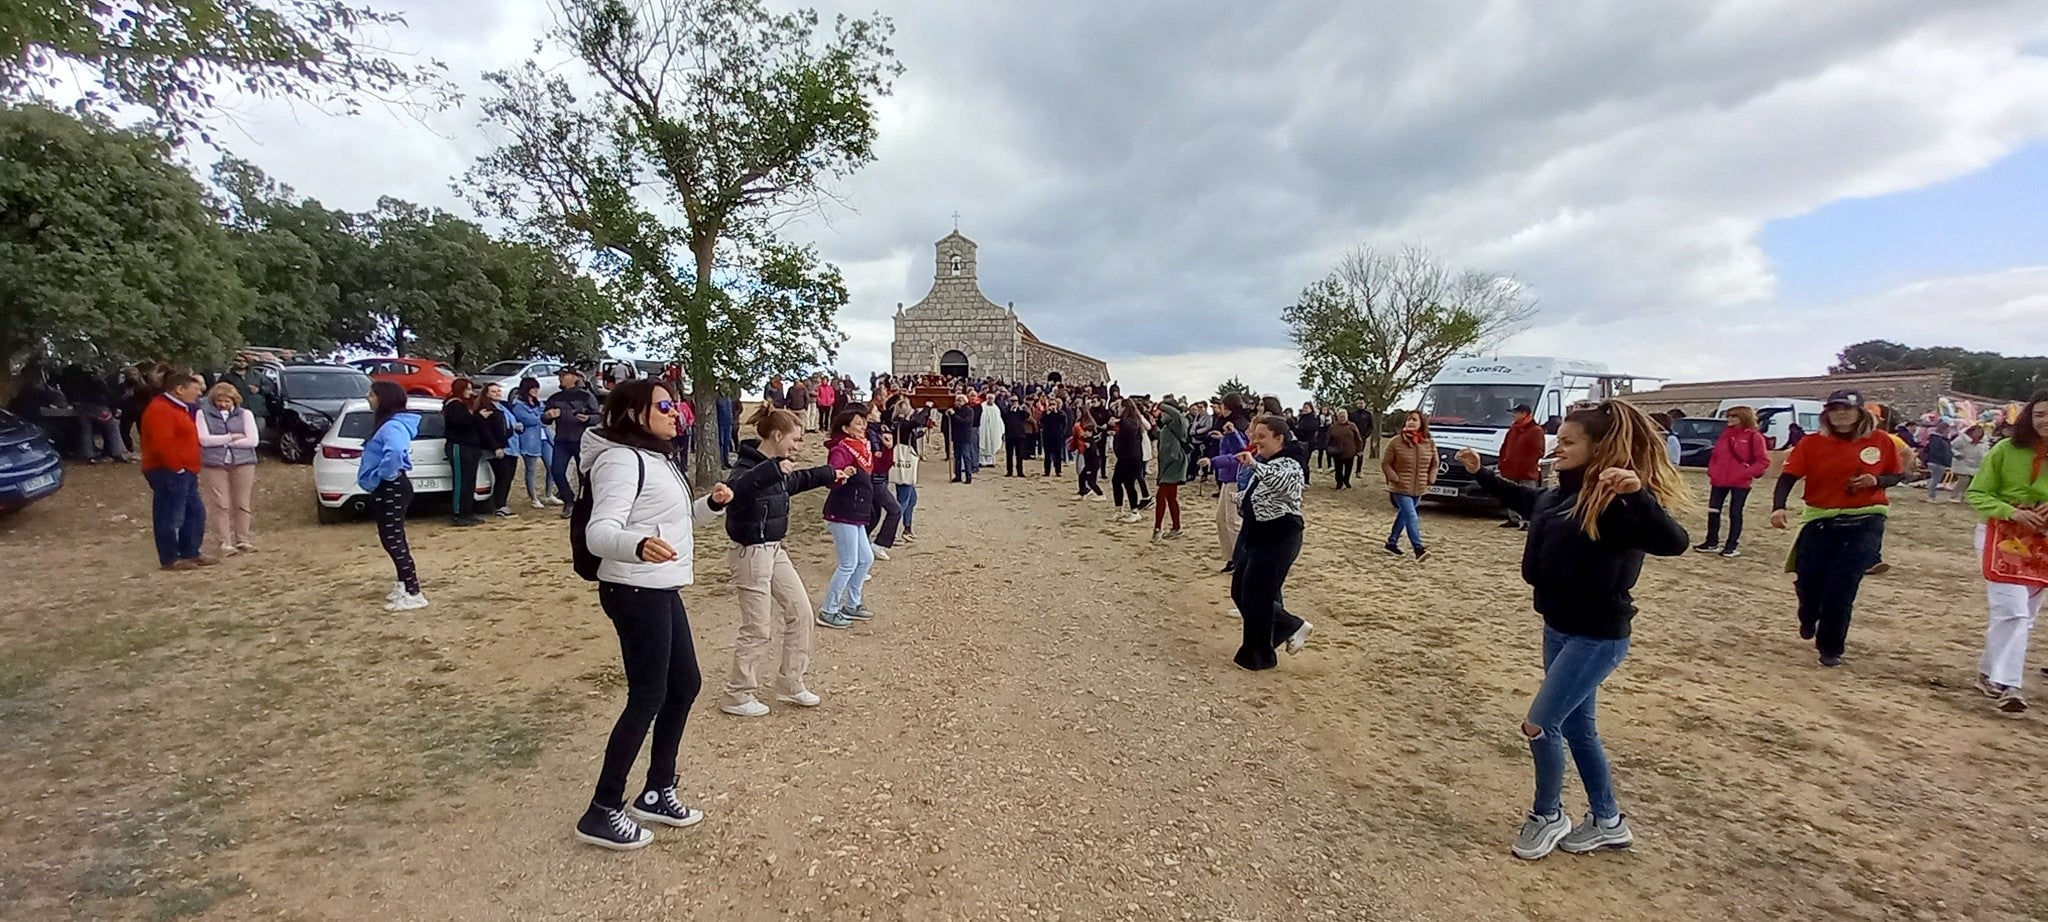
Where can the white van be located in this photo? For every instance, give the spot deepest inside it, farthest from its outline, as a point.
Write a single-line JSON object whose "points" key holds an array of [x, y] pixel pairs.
{"points": [[1775, 416], [1470, 404]]}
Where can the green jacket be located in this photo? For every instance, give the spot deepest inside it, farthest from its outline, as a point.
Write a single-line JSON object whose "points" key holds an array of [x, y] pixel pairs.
{"points": [[1173, 446], [2005, 480]]}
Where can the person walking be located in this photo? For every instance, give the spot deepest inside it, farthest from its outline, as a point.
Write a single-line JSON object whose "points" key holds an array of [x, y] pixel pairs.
{"points": [[387, 456], [1271, 508], [1409, 466], [1089, 442], [849, 507], [227, 472], [1847, 466], [1346, 444], [1740, 456], [641, 517], [494, 432], [1313, 434], [1128, 440], [1173, 466], [2011, 491], [1941, 458], [1521, 457], [903, 479], [531, 441], [764, 581], [572, 409], [1055, 428], [1616, 489], [171, 461], [465, 439]]}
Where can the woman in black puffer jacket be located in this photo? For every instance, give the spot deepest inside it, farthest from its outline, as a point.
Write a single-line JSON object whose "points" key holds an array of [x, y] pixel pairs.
{"points": [[763, 579]]}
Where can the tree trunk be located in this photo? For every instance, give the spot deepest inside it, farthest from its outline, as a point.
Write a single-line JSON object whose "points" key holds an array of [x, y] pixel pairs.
{"points": [[706, 467]]}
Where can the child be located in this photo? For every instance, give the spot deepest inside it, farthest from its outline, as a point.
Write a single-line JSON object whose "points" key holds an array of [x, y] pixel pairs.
{"points": [[763, 578]]}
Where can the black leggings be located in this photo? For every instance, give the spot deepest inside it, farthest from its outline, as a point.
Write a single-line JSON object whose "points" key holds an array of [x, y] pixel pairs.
{"points": [[1828, 562], [1055, 458], [388, 504], [1736, 497], [1091, 473], [502, 470], [662, 682], [465, 459], [1262, 566], [1129, 476]]}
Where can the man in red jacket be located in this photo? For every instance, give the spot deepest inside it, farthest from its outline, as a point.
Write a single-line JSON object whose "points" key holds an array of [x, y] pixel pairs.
{"points": [[170, 462], [1521, 457]]}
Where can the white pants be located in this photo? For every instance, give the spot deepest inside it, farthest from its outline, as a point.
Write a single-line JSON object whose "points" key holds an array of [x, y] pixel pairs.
{"points": [[2012, 613]]}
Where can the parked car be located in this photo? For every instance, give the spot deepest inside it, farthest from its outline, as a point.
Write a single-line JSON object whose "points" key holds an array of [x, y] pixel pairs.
{"points": [[308, 397], [30, 467], [341, 453], [420, 377], [508, 374], [1696, 438]]}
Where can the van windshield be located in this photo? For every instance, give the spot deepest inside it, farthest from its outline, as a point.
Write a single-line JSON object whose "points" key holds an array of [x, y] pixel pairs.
{"points": [[1487, 406]]}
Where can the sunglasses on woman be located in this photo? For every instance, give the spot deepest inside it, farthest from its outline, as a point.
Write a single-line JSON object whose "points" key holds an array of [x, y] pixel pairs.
{"points": [[665, 406]]}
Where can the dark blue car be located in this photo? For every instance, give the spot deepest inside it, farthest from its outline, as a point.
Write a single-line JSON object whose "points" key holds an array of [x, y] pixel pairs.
{"points": [[30, 468]]}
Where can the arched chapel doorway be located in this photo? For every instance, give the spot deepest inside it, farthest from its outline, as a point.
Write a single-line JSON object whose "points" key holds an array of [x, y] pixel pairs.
{"points": [[953, 364]]}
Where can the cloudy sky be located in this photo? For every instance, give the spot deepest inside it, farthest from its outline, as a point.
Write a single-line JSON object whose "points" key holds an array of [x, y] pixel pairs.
{"points": [[1693, 189]]}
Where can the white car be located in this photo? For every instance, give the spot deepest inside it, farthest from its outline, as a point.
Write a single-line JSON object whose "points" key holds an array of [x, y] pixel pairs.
{"points": [[341, 453], [508, 375]]}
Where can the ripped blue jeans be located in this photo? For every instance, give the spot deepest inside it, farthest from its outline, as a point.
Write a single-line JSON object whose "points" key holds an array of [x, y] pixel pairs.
{"points": [[1573, 668]]}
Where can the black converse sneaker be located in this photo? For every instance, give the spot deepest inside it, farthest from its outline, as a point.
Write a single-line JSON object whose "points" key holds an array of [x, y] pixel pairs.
{"points": [[608, 828], [659, 805]]}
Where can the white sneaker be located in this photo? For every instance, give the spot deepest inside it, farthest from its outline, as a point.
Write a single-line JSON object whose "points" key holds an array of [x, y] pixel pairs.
{"points": [[804, 698], [749, 708], [397, 592], [407, 602], [1299, 638], [553, 501], [1133, 517], [881, 553], [537, 504]]}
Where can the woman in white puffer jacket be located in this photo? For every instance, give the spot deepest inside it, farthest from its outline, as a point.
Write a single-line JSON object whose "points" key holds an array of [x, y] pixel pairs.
{"points": [[641, 516]]}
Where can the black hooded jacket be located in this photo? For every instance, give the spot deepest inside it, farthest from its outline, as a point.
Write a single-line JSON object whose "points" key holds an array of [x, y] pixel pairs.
{"points": [[759, 512], [1582, 585]]}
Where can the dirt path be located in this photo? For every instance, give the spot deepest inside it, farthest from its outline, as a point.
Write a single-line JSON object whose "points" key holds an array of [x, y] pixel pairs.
{"points": [[1042, 723]]}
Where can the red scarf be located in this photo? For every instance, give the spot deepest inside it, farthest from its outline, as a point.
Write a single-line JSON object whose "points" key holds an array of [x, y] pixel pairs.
{"points": [[863, 453], [1414, 436]]}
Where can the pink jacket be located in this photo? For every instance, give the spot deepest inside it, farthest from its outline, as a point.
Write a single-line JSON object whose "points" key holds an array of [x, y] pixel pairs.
{"points": [[1739, 458], [827, 396]]}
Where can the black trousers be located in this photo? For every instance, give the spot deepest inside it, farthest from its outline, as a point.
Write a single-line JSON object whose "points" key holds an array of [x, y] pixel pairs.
{"points": [[1055, 457], [1269, 550], [502, 472], [662, 682], [1129, 476], [1736, 497], [1016, 451], [1091, 473], [1829, 559], [388, 505], [887, 514], [1344, 468], [464, 459]]}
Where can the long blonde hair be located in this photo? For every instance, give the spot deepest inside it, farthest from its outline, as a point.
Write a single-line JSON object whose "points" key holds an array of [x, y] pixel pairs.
{"points": [[1625, 438], [1745, 417]]}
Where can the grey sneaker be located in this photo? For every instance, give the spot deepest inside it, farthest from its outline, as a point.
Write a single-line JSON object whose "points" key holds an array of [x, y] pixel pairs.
{"points": [[1540, 835], [833, 619], [2010, 701], [1594, 835], [860, 613]]}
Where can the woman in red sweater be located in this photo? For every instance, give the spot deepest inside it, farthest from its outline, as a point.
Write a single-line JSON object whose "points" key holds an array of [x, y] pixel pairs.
{"points": [[1740, 457]]}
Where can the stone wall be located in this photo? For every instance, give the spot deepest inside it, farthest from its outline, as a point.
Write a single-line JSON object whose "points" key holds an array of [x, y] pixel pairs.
{"points": [[1912, 393], [990, 342], [1041, 359]]}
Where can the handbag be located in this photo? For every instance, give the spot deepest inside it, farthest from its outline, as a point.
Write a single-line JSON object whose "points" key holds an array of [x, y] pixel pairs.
{"points": [[2015, 555]]}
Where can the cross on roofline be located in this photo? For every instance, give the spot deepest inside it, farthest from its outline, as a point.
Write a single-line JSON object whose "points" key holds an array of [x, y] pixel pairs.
{"points": [[956, 221]]}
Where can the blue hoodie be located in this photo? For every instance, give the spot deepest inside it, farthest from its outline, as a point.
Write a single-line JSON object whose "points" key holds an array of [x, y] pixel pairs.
{"points": [[388, 453], [530, 432]]}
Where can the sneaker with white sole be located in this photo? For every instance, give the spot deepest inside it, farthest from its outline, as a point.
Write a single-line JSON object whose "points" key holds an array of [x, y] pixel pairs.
{"points": [[802, 697], [1595, 834], [752, 707], [833, 619], [859, 613], [408, 602], [2010, 702], [613, 829], [1540, 835], [397, 592], [881, 553], [537, 504], [660, 805], [1299, 639]]}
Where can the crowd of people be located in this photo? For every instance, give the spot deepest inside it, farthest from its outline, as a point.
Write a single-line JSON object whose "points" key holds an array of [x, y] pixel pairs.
{"points": [[1613, 497]]}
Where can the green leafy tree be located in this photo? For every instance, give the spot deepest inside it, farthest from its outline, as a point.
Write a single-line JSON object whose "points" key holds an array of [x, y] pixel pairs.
{"points": [[1235, 386], [1988, 374], [1381, 324], [551, 308], [171, 55], [428, 285], [297, 257], [714, 119], [108, 249]]}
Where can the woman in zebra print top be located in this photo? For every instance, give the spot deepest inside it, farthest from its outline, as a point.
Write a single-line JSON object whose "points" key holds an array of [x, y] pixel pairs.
{"points": [[1272, 540]]}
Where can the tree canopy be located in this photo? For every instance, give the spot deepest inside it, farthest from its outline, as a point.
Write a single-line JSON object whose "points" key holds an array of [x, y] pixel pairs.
{"points": [[1235, 386], [1382, 324], [170, 56], [714, 119], [1987, 374]]}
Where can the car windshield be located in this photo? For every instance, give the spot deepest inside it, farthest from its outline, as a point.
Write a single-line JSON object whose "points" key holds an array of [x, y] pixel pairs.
{"points": [[326, 384], [503, 370], [1489, 406], [1698, 428], [356, 425]]}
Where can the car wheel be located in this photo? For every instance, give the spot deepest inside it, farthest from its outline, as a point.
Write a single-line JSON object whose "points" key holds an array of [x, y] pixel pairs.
{"points": [[295, 448], [330, 515]]}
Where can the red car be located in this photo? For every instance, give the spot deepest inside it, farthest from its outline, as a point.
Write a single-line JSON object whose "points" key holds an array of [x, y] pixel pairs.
{"points": [[420, 377]]}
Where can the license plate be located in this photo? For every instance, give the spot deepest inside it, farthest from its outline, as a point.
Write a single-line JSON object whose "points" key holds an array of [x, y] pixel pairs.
{"points": [[1443, 491], [432, 484], [39, 483]]}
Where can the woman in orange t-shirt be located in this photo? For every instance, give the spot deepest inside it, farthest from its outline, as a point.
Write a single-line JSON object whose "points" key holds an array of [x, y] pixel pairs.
{"points": [[1846, 466]]}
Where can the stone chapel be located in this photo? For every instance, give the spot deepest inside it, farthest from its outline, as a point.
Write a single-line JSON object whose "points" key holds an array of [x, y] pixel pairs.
{"points": [[956, 330]]}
